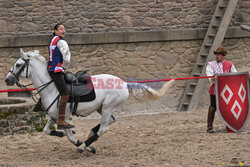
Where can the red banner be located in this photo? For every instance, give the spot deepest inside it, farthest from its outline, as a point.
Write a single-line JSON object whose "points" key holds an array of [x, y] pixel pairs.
{"points": [[232, 99]]}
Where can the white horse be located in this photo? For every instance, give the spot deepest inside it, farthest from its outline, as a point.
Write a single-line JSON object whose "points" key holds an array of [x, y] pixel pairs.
{"points": [[33, 66]]}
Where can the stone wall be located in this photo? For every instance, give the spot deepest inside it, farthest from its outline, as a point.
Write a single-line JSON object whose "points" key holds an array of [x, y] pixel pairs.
{"points": [[39, 16], [17, 119]]}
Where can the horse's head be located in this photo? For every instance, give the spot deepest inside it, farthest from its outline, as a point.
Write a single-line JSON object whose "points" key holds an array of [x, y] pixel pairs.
{"points": [[19, 69]]}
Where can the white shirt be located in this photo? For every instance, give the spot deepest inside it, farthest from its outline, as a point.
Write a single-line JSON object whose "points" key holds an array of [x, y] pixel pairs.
{"points": [[64, 49], [215, 67]]}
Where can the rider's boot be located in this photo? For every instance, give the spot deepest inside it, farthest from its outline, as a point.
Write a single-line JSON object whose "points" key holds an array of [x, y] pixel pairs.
{"points": [[38, 106], [210, 119], [61, 123]]}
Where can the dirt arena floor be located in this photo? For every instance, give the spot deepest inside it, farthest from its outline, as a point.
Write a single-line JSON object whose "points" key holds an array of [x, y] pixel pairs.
{"points": [[174, 139]]}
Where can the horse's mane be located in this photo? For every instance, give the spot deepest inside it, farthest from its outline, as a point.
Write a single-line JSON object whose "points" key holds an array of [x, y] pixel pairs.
{"points": [[36, 54]]}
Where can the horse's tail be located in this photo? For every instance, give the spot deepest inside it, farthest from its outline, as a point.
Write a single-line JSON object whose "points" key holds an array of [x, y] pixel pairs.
{"points": [[243, 27], [139, 90]]}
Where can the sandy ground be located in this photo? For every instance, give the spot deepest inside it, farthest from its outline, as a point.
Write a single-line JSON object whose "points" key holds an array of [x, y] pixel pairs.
{"points": [[173, 139]]}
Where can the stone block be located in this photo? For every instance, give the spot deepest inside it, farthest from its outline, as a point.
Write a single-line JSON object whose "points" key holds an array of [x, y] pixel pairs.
{"points": [[18, 94], [166, 58], [20, 123], [5, 131], [8, 4], [36, 18], [130, 48], [20, 14], [25, 4], [4, 123], [15, 129], [25, 128], [3, 25], [75, 30], [28, 26]]}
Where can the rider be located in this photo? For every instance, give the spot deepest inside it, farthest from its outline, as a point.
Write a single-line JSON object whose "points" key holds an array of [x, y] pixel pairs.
{"points": [[59, 59]]}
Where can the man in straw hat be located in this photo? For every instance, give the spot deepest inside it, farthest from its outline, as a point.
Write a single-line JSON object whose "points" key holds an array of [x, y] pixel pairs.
{"points": [[218, 66]]}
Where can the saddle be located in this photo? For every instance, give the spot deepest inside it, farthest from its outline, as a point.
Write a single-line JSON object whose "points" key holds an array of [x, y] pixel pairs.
{"points": [[80, 88]]}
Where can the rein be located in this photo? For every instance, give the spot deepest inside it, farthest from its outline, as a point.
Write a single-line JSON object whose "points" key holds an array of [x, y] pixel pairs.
{"points": [[33, 95]]}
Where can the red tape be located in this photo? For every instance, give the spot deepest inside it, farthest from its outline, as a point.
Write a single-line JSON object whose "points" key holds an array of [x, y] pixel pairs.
{"points": [[17, 90], [145, 81], [162, 80]]}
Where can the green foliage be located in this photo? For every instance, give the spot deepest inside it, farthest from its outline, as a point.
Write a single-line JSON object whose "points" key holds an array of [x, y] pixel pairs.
{"points": [[39, 117], [44, 122], [32, 131]]}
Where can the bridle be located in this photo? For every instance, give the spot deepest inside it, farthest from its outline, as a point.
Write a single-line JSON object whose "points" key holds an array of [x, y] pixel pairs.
{"points": [[17, 75], [25, 87]]}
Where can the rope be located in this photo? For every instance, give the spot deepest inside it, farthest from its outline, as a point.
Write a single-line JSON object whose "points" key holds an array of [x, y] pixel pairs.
{"points": [[163, 80]]}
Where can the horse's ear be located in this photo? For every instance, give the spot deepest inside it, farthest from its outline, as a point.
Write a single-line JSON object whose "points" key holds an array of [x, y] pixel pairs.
{"points": [[21, 52]]}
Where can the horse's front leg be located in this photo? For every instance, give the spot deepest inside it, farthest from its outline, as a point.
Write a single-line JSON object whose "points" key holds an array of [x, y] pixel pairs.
{"points": [[48, 126]]}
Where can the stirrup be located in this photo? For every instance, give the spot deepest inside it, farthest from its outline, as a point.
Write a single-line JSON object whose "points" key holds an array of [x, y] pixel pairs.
{"points": [[68, 126]]}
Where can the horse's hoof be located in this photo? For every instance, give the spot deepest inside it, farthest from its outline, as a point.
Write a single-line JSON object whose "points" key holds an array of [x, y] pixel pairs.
{"points": [[91, 149], [79, 150], [56, 133]]}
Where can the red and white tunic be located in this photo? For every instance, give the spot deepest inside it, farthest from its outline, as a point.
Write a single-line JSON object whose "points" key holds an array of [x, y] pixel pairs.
{"points": [[59, 54], [214, 67]]}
